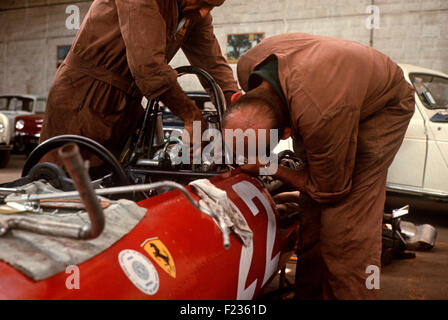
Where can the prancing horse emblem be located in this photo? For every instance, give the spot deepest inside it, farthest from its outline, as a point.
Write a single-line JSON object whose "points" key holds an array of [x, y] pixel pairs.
{"points": [[160, 254]]}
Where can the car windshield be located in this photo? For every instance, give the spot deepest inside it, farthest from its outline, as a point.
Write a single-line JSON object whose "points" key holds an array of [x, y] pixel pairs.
{"points": [[40, 106], [16, 104], [432, 90]]}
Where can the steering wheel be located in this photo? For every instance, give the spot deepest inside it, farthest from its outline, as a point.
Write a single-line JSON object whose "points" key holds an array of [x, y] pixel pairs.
{"points": [[117, 173]]}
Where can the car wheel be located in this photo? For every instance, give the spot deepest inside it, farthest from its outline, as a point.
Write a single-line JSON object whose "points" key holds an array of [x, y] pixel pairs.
{"points": [[4, 158]]}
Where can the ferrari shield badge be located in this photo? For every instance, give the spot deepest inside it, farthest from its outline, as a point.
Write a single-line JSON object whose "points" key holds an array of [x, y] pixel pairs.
{"points": [[160, 254]]}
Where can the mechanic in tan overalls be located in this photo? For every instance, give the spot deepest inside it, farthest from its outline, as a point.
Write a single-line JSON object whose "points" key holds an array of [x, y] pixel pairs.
{"points": [[120, 54], [347, 108]]}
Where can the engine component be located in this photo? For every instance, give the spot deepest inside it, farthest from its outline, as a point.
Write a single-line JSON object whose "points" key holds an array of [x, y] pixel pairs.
{"points": [[422, 237]]}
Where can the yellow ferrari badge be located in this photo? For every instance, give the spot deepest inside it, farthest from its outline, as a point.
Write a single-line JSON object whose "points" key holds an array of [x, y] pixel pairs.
{"points": [[160, 254]]}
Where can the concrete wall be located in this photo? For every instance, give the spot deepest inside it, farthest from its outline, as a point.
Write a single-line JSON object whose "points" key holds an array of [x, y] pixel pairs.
{"points": [[411, 31], [30, 31]]}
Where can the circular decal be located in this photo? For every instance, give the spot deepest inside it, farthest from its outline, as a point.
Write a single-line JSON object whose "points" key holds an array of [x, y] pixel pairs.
{"points": [[140, 271]]}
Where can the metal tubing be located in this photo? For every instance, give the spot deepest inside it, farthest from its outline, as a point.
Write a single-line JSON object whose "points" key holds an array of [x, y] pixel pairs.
{"points": [[159, 138], [75, 166], [126, 189], [148, 162], [138, 148], [114, 190], [9, 190], [56, 229]]}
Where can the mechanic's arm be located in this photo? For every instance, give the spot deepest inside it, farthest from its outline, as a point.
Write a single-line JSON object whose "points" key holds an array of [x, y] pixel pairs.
{"points": [[202, 50], [293, 178], [144, 33]]}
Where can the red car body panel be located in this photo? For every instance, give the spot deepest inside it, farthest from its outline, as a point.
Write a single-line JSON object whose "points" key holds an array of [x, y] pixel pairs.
{"points": [[204, 269], [27, 138], [32, 124]]}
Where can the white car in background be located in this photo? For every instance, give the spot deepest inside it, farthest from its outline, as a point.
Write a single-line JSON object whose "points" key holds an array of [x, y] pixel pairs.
{"points": [[421, 165], [5, 140], [13, 105]]}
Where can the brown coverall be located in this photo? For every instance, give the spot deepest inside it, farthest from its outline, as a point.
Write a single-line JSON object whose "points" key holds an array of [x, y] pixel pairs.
{"points": [[350, 107], [120, 54]]}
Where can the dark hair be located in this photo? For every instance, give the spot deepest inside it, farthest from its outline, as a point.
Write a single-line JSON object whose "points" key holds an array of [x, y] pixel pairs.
{"points": [[267, 99]]}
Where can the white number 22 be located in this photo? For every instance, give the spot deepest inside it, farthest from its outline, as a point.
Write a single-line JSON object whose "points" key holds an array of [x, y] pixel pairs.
{"points": [[248, 192]]}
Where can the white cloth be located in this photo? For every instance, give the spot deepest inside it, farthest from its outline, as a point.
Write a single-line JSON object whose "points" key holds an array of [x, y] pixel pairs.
{"points": [[217, 202], [40, 256]]}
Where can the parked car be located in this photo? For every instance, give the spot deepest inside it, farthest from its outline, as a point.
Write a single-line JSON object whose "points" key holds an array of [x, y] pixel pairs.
{"points": [[27, 132], [5, 140], [421, 165], [14, 105]]}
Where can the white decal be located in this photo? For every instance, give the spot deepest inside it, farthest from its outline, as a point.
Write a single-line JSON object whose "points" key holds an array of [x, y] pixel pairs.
{"points": [[245, 262], [140, 271], [248, 192]]}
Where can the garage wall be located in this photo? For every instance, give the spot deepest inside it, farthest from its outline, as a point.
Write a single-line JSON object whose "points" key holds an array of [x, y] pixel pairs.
{"points": [[30, 31], [411, 31], [415, 32]]}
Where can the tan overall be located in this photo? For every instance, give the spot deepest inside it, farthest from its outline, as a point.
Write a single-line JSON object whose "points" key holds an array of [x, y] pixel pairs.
{"points": [[119, 55], [350, 107]]}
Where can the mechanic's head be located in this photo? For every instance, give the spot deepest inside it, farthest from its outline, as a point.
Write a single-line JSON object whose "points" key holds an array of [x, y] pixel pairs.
{"points": [[191, 8], [260, 108]]}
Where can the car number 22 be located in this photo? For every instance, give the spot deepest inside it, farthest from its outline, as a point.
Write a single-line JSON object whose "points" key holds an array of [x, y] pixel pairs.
{"points": [[248, 192]]}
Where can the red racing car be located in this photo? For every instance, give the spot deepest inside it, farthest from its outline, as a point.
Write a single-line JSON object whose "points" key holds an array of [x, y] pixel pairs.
{"points": [[166, 238]]}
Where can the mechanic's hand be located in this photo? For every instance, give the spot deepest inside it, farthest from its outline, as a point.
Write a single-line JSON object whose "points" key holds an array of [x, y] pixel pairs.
{"points": [[182, 106], [252, 169], [287, 208], [187, 136], [286, 197]]}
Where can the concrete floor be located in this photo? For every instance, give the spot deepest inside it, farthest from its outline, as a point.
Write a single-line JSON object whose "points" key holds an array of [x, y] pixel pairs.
{"points": [[425, 277], [13, 169]]}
